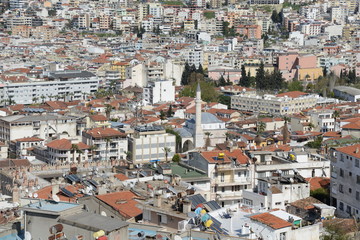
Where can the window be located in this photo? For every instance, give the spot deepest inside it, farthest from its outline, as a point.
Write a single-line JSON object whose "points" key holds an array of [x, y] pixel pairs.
{"points": [[350, 173], [357, 195], [350, 190], [357, 163], [222, 177], [348, 209], [341, 206], [341, 172], [341, 188], [357, 179]]}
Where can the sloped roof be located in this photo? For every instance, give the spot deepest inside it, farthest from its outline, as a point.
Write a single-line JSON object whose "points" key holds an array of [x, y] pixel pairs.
{"points": [[65, 144], [271, 220]]}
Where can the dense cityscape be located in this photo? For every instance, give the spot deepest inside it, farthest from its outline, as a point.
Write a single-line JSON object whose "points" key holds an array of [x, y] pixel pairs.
{"points": [[180, 119]]}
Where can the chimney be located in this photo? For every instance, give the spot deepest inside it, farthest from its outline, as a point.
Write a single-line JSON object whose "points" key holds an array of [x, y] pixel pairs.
{"points": [[357, 150], [186, 206], [157, 201], [55, 187], [16, 194]]}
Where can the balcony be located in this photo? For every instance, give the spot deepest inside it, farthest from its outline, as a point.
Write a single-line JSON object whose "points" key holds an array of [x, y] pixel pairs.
{"points": [[231, 182], [228, 195]]}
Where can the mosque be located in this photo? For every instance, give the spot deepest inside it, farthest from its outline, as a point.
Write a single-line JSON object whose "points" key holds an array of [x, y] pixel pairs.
{"points": [[204, 129]]}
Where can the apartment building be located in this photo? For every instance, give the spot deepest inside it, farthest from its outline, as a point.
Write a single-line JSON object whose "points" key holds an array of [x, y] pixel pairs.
{"points": [[41, 126], [63, 150], [149, 144], [323, 120], [159, 91], [229, 171], [106, 143], [281, 104], [345, 180], [71, 85]]}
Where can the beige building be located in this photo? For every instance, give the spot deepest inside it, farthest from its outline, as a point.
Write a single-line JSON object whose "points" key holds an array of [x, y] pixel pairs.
{"points": [[282, 104], [148, 144]]}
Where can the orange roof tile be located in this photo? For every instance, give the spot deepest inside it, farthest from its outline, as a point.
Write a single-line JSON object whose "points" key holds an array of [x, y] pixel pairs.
{"points": [[271, 220], [293, 94], [123, 202], [65, 144], [105, 132]]}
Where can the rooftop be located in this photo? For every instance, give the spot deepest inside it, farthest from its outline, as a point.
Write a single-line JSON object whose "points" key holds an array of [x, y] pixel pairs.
{"points": [[52, 206]]}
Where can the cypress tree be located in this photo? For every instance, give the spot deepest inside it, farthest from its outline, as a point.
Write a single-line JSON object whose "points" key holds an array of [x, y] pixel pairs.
{"points": [[185, 75], [260, 77], [244, 79]]}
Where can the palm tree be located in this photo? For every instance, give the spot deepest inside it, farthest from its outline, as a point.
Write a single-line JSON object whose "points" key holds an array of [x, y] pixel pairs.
{"points": [[208, 141], [311, 126], [43, 98], [107, 141], [286, 130], [128, 155], [166, 151], [108, 110], [92, 149], [260, 128], [35, 99], [74, 148], [336, 115]]}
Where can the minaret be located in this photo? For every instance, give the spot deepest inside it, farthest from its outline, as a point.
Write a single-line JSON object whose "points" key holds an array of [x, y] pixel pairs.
{"points": [[199, 134]]}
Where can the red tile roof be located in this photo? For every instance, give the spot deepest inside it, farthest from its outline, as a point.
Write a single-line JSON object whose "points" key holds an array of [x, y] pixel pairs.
{"points": [[241, 158], [98, 118], [305, 203], [318, 182], [105, 132], [123, 202], [14, 163], [46, 192], [271, 220], [353, 150], [293, 94], [352, 125], [121, 176], [65, 144], [29, 139]]}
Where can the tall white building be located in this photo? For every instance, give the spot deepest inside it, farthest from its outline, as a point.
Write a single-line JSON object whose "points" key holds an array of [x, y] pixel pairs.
{"points": [[148, 144], [345, 181], [159, 91], [68, 85]]}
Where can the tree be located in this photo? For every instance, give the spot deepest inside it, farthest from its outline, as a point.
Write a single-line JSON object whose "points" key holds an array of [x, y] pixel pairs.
{"points": [[276, 80], [166, 150], [335, 232], [185, 75], [336, 115], [226, 100], [92, 149], [260, 127], [260, 77], [295, 85], [275, 17], [208, 141], [74, 148], [169, 111], [221, 81], [35, 99], [107, 142], [108, 110], [208, 92], [162, 115], [176, 158], [311, 126], [244, 80], [200, 69], [128, 155]]}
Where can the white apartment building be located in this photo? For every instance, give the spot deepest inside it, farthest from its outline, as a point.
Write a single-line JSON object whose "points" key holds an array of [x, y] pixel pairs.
{"points": [[106, 143], [41, 126], [323, 120], [311, 29], [138, 75], [310, 12], [155, 9], [148, 143], [339, 14], [159, 91], [229, 172], [194, 56], [345, 180], [70, 85], [84, 21], [277, 191], [273, 104], [62, 151]]}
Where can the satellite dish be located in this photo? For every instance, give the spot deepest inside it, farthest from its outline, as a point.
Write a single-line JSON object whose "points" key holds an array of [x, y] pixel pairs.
{"points": [[103, 213], [36, 195], [27, 235], [30, 195], [177, 237], [55, 198]]}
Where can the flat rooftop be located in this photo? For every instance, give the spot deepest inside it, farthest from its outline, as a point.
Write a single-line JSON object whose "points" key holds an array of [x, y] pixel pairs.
{"points": [[46, 205]]}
